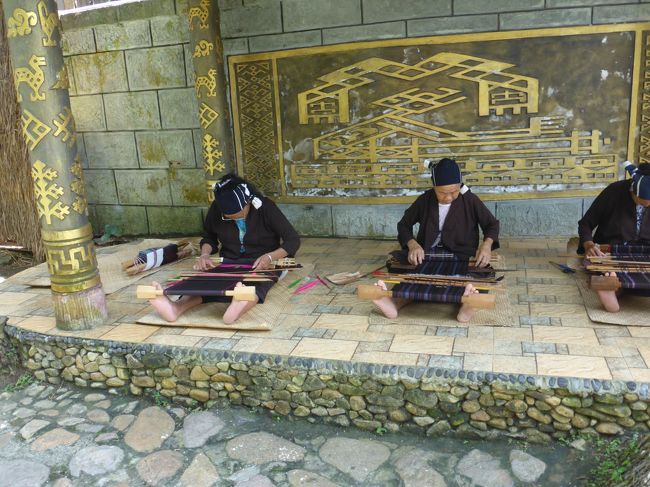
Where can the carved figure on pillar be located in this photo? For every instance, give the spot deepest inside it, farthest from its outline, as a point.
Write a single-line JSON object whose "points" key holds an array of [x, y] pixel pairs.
{"points": [[210, 86]]}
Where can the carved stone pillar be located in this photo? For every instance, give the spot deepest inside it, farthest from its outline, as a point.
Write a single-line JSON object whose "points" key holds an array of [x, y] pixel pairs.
{"points": [[210, 84], [41, 80]]}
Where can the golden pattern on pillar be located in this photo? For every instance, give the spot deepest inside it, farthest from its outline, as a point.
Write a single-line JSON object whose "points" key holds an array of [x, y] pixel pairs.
{"points": [[62, 79], [65, 127], [202, 12], [209, 184], [202, 49], [211, 155], [33, 129], [47, 193], [80, 204], [209, 82], [71, 259], [21, 23], [33, 78], [49, 24], [644, 103], [207, 115]]}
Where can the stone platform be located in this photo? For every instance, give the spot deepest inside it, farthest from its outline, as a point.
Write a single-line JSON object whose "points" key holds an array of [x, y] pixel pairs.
{"points": [[552, 372]]}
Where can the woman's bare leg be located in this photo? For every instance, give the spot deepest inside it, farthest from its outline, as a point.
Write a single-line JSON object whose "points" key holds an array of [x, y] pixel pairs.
{"points": [[170, 310], [389, 306], [466, 312], [238, 308], [609, 298]]}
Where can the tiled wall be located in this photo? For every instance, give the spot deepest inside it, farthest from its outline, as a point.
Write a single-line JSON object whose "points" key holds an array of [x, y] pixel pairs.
{"points": [[134, 104]]}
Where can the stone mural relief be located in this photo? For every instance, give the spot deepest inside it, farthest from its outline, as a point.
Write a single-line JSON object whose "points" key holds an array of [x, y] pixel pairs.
{"points": [[526, 114]]}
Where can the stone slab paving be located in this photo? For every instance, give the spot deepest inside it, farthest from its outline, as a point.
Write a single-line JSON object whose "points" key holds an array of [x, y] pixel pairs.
{"points": [[158, 445], [551, 333]]}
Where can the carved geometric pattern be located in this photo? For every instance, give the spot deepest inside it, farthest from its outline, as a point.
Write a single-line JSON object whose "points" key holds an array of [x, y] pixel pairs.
{"points": [[65, 126], [49, 24], [202, 48], [33, 129], [71, 258], [211, 155], [201, 12], [207, 115], [62, 80], [47, 193], [32, 77], [21, 23], [644, 103], [80, 204], [257, 124]]}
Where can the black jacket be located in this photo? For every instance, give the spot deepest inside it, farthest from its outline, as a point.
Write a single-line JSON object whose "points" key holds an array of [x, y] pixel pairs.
{"points": [[613, 216], [460, 232], [266, 229]]}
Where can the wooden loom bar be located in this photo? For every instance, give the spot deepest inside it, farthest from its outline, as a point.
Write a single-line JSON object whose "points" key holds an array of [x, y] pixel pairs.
{"points": [[480, 301]]}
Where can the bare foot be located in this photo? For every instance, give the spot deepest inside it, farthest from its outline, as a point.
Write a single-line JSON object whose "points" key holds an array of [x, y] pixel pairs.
{"points": [[609, 298], [237, 308], [466, 312], [386, 305], [166, 308]]}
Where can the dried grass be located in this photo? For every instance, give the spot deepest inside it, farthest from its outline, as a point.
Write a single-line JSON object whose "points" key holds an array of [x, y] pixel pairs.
{"points": [[18, 216]]}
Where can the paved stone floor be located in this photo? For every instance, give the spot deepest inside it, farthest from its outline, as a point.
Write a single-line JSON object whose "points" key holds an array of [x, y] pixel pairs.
{"points": [[551, 332], [60, 437]]}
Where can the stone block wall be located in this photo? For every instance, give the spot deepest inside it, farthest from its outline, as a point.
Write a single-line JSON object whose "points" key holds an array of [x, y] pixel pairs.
{"points": [[431, 401], [134, 102]]}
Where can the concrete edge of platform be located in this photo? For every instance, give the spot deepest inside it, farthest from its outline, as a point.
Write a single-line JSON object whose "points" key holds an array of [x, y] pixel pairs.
{"points": [[369, 396]]}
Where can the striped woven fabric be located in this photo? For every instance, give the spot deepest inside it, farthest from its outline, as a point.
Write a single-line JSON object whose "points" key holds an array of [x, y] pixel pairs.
{"points": [[428, 292], [634, 280], [443, 267], [156, 257], [620, 250]]}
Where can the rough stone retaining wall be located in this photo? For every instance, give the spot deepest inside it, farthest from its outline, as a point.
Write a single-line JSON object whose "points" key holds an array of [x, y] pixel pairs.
{"points": [[368, 396], [134, 103]]}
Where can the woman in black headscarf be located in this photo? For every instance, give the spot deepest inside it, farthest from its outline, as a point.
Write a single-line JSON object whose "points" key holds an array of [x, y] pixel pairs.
{"points": [[245, 227]]}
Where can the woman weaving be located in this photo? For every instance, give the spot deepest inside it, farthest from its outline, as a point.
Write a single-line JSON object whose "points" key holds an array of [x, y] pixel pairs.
{"points": [[620, 216], [449, 216], [250, 229]]}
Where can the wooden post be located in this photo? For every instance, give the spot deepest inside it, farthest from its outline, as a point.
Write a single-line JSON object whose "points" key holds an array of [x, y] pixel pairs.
{"points": [[41, 81], [210, 85]]}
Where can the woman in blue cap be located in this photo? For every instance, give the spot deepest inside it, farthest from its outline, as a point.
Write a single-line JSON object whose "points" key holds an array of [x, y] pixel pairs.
{"points": [[620, 215], [245, 226], [449, 216]]}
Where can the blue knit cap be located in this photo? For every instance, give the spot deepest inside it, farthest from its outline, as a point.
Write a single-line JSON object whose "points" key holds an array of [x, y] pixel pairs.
{"points": [[445, 172], [640, 179]]}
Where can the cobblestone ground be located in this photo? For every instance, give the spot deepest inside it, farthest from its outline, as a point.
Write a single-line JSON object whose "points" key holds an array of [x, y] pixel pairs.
{"points": [[61, 436]]}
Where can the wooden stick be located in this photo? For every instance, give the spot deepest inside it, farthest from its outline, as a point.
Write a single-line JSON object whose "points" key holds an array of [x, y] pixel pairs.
{"points": [[480, 301], [449, 284], [604, 283], [431, 277], [241, 293]]}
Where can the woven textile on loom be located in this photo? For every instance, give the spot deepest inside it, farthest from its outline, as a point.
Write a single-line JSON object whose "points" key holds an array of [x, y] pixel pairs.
{"points": [[634, 252], [441, 263], [205, 285], [157, 256]]}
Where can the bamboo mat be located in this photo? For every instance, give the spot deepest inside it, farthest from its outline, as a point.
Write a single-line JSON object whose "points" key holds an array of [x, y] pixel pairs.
{"points": [[444, 314], [109, 260], [635, 310], [262, 317]]}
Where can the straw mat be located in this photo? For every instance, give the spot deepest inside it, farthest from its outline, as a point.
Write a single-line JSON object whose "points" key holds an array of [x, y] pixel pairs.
{"points": [[635, 310]]}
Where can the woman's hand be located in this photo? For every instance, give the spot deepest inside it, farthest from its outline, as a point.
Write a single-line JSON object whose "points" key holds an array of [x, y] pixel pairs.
{"points": [[416, 253], [483, 255], [204, 263], [593, 250], [263, 262]]}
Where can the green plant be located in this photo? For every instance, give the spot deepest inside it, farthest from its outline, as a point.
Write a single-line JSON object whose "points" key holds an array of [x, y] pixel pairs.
{"points": [[613, 459], [159, 399], [22, 382], [380, 430]]}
